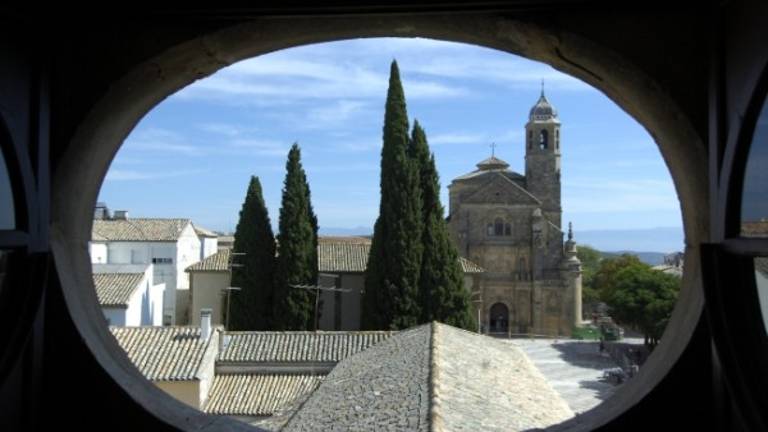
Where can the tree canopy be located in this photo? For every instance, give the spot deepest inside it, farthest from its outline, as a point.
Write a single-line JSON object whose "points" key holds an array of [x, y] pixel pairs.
{"points": [[297, 251], [390, 300], [638, 296], [442, 295], [251, 307]]}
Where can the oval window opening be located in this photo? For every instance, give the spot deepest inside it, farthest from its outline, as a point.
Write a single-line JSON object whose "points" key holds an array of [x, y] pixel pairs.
{"points": [[289, 240]]}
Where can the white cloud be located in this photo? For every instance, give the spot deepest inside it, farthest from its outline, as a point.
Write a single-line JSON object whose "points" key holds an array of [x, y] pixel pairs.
{"points": [[124, 175], [162, 140]]}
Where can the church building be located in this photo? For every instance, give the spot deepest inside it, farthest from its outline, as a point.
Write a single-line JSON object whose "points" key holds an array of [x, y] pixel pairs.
{"points": [[510, 224]]}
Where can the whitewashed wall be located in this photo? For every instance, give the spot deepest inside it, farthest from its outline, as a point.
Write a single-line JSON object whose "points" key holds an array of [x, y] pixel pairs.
{"points": [[98, 252], [210, 245], [206, 294]]}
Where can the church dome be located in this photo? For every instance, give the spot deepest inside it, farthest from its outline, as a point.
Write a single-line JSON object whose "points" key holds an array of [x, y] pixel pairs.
{"points": [[492, 163], [543, 110]]}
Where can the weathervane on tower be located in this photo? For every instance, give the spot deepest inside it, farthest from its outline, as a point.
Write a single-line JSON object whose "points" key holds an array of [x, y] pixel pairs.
{"points": [[493, 149]]}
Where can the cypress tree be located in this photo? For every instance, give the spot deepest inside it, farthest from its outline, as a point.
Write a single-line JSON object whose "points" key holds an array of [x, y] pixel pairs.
{"points": [[390, 300], [442, 296], [251, 307], [297, 250]]}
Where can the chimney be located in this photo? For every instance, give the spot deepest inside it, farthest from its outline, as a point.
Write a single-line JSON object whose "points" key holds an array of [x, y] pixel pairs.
{"points": [[101, 212], [121, 214], [205, 323]]}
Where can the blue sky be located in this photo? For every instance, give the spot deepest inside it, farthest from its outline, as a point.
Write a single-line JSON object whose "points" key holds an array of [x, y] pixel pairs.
{"points": [[192, 155]]}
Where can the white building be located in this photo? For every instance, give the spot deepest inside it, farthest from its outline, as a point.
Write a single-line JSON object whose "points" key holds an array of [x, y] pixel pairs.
{"points": [[208, 281], [128, 295], [209, 241], [171, 245]]}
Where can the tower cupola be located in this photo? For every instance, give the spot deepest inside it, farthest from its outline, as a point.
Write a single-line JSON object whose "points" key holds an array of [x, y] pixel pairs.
{"points": [[543, 111]]}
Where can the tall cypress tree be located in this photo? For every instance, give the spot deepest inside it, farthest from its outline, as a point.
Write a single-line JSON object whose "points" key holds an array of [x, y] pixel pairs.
{"points": [[251, 307], [442, 296], [390, 300], [297, 250]]}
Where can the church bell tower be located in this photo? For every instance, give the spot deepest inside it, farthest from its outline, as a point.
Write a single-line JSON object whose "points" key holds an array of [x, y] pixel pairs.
{"points": [[542, 157]]}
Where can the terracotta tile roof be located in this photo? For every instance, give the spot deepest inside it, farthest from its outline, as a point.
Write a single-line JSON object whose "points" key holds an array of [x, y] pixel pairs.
{"points": [[468, 266], [138, 229], [350, 255], [343, 254], [164, 353], [297, 346], [115, 289], [217, 262], [257, 395], [202, 232]]}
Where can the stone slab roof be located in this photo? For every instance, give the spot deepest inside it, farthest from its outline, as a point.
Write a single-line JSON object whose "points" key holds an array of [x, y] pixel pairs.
{"points": [[385, 387], [480, 384], [257, 395], [433, 378], [761, 265], [350, 255], [218, 262], [116, 289], [297, 346], [138, 229], [164, 353]]}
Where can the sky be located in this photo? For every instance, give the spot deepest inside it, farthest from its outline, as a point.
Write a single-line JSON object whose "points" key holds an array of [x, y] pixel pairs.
{"points": [[193, 154]]}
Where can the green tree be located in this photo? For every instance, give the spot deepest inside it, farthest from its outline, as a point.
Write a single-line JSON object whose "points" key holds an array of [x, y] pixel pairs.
{"points": [[590, 262], [442, 296], [251, 307], [390, 300], [604, 279], [297, 250], [644, 298]]}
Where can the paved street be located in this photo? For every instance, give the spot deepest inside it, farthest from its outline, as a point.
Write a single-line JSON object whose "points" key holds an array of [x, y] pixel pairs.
{"points": [[573, 368]]}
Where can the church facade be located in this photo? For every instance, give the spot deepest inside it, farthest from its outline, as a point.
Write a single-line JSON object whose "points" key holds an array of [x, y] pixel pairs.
{"points": [[510, 224]]}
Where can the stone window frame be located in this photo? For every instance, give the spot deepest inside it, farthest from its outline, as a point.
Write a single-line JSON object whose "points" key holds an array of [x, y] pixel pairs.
{"points": [[141, 87]]}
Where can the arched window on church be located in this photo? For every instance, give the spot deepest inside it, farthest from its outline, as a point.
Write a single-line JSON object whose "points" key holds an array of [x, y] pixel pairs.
{"points": [[489, 230], [507, 229], [557, 139], [498, 227], [543, 139]]}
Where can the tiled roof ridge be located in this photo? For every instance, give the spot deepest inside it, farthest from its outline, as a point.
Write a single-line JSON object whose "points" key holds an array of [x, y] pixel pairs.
{"points": [[436, 422], [304, 332]]}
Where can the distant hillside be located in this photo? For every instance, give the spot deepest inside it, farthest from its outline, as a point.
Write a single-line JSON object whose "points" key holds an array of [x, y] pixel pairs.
{"points": [[664, 240], [650, 258], [356, 231]]}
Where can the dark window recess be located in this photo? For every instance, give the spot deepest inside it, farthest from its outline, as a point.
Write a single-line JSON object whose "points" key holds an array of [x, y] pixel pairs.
{"points": [[7, 209], [543, 139], [498, 227], [162, 260]]}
